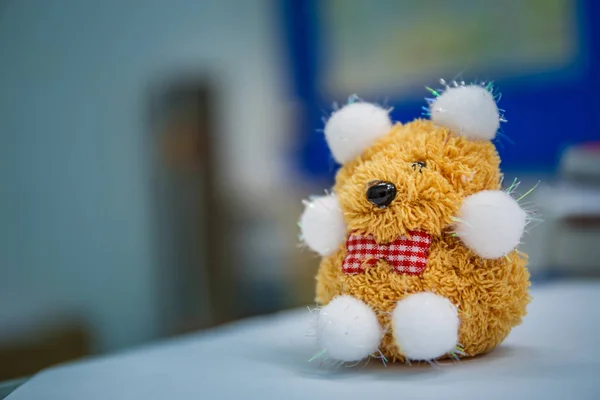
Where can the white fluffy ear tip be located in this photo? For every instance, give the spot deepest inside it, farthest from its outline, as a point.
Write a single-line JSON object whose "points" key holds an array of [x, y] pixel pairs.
{"points": [[355, 127], [470, 111]]}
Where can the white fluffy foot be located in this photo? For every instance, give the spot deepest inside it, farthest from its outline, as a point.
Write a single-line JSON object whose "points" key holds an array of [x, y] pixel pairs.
{"points": [[491, 223], [425, 326], [322, 224], [348, 330]]}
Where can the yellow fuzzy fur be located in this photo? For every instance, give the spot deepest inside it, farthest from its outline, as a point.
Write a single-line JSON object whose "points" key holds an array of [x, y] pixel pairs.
{"points": [[491, 295]]}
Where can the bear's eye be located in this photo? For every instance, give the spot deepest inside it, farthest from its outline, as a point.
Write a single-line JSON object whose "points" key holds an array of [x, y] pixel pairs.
{"points": [[418, 165]]}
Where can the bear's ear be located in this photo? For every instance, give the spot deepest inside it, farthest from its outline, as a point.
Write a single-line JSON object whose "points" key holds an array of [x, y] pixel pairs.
{"points": [[353, 128], [468, 111]]}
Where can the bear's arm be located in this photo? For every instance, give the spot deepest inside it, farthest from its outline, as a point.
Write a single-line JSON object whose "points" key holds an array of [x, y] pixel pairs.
{"points": [[491, 223]]}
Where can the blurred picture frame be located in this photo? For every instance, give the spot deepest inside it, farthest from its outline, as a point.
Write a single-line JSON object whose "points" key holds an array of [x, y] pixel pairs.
{"points": [[339, 49]]}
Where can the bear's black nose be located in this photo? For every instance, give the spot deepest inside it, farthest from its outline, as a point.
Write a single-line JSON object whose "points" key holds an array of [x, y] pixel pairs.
{"points": [[381, 193]]}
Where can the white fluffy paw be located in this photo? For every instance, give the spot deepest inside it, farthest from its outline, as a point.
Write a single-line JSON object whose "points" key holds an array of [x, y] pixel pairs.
{"points": [[322, 225], [348, 330], [425, 326], [491, 223]]}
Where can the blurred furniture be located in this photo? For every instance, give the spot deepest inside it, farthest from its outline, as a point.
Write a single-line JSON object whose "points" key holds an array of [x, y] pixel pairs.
{"points": [[220, 260], [57, 344], [36, 333], [555, 353], [568, 241], [193, 226]]}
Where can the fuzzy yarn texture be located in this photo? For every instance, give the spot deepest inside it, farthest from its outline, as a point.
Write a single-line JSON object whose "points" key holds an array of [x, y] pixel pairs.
{"points": [[491, 295]]}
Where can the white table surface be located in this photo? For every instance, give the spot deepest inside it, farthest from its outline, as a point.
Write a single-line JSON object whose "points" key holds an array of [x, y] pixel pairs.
{"points": [[554, 354]]}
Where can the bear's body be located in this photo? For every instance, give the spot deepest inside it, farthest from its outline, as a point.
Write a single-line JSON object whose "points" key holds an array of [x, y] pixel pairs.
{"points": [[490, 295]]}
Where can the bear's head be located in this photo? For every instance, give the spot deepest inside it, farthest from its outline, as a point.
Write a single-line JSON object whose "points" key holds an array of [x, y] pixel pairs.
{"points": [[399, 178]]}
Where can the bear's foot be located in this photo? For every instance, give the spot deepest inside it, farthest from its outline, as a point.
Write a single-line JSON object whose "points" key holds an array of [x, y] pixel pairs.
{"points": [[348, 330], [425, 326]]}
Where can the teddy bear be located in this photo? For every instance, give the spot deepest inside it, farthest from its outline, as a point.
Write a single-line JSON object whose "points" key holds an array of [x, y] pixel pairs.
{"points": [[417, 237]]}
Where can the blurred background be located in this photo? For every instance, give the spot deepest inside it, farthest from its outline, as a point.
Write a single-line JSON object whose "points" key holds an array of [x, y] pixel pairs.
{"points": [[155, 153]]}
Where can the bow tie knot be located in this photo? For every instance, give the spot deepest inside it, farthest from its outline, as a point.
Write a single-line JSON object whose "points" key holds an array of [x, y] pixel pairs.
{"points": [[406, 255]]}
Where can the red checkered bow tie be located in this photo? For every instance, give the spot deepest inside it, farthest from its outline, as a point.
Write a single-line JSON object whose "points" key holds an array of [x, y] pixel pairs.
{"points": [[406, 256]]}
